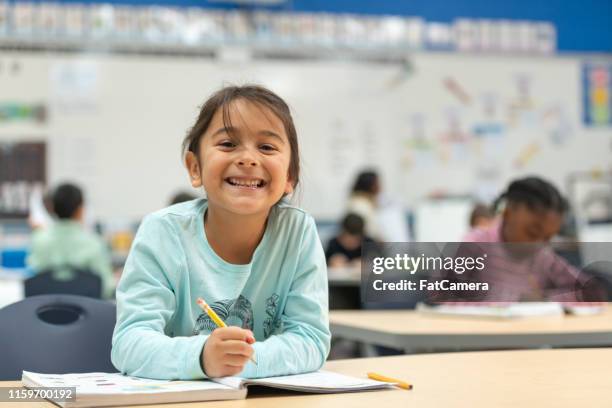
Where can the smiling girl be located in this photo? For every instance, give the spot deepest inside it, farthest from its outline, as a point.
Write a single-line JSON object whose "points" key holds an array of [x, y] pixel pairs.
{"points": [[257, 261]]}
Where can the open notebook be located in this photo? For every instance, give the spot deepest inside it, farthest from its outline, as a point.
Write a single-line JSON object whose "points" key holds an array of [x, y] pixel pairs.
{"points": [[103, 389]]}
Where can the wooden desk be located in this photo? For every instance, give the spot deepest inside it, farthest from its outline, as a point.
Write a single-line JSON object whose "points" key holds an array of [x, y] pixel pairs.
{"points": [[410, 330], [500, 379]]}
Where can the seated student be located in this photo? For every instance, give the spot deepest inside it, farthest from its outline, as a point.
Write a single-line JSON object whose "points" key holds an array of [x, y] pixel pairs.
{"points": [[66, 243], [345, 249], [533, 214], [363, 201], [255, 259]]}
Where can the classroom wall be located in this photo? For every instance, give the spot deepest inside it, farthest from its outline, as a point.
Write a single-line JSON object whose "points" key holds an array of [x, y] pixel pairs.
{"points": [[438, 123]]}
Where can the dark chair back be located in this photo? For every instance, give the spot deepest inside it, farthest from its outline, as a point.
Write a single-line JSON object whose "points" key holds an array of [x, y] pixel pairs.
{"points": [[82, 283], [56, 334]]}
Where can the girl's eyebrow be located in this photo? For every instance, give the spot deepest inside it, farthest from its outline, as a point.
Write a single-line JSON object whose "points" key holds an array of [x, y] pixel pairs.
{"points": [[227, 130], [231, 130], [272, 134]]}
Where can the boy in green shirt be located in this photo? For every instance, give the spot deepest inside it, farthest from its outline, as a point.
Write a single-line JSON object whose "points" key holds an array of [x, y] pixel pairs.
{"points": [[67, 244]]}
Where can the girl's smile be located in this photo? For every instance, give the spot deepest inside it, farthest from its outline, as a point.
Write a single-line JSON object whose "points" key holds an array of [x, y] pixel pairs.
{"points": [[248, 183]]}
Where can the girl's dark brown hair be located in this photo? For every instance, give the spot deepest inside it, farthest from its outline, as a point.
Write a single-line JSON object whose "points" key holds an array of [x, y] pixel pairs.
{"points": [[536, 193], [255, 94]]}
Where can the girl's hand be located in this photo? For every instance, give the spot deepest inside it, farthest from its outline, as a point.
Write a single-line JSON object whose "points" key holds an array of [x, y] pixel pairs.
{"points": [[226, 351]]}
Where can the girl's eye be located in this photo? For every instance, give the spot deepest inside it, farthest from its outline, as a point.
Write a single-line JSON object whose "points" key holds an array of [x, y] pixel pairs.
{"points": [[267, 147], [227, 144]]}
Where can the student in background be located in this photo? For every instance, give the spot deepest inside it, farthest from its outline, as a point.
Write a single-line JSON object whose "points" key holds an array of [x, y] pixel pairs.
{"points": [[481, 216], [533, 211], [363, 201], [345, 249], [384, 218], [255, 259], [66, 243], [532, 215]]}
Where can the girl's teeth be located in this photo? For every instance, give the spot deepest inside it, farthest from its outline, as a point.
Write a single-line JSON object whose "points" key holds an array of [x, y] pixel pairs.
{"points": [[240, 183]]}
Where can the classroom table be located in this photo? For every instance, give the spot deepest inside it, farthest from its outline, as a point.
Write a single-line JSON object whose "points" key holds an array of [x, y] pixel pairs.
{"points": [[521, 378], [411, 330]]}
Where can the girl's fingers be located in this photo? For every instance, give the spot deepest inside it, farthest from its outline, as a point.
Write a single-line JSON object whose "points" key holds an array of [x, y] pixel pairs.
{"points": [[235, 360], [233, 333], [237, 347]]}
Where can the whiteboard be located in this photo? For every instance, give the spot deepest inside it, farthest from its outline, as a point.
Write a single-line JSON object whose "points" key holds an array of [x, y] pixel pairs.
{"points": [[116, 123]]}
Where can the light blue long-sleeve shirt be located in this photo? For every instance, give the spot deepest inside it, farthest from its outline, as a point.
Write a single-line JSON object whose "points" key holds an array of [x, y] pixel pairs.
{"points": [[281, 296]]}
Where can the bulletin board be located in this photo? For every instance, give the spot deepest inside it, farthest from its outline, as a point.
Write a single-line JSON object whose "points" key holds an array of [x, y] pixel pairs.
{"points": [[436, 123]]}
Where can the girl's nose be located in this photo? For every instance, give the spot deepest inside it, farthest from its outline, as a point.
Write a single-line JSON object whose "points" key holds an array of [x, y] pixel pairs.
{"points": [[247, 162], [246, 159]]}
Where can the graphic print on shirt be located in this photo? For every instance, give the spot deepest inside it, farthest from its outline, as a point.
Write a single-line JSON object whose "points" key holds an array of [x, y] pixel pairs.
{"points": [[271, 323], [234, 312]]}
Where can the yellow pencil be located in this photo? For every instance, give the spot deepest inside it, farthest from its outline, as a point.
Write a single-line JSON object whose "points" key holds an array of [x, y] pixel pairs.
{"points": [[399, 383], [215, 318]]}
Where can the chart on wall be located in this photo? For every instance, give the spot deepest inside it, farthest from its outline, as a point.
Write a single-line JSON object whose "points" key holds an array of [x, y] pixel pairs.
{"points": [[597, 93], [479, 121]]}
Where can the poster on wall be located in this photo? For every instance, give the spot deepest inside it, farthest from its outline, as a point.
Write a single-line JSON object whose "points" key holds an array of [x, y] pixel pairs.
{"points": [[22, 171], [597, 94]]}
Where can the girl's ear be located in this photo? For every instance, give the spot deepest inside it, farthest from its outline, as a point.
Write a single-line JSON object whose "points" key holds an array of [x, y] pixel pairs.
{"points": [[193, 168], [289, 185]]}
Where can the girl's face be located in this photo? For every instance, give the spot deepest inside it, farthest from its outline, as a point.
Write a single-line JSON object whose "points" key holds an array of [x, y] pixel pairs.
{"points": [[244, 170], [523, 224]]}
